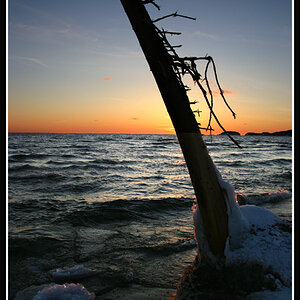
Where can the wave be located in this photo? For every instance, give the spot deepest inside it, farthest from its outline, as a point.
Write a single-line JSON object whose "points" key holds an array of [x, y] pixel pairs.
{"points": [[106, 161], [232, 163], [77, 185], [166, 248], [22, 157], [58, 162], [278, 196], [124, 210], [271, 197], [278, 161], [23, 167], [286, 175], [164, 142], [95, 163], [50, 175], [81, 212]]}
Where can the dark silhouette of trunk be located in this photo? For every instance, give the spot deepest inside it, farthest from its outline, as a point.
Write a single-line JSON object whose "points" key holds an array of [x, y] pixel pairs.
{"points": [[209, 195]]}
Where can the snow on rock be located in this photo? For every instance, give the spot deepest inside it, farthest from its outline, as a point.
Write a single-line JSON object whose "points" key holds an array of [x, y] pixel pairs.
{"points": [[256, 235], [259, 217], [53, 291], [266, 243]]}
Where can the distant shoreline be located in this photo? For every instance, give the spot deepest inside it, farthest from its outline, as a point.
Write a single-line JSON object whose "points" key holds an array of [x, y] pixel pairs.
{"points": [[276, 133]]}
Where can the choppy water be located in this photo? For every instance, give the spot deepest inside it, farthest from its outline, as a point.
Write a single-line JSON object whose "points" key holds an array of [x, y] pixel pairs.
{"points": [[121, 204]]}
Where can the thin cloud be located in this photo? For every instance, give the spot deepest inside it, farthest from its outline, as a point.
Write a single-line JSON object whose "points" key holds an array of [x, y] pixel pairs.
{"points": [[56, 29], [117, 52], [53, 33], [107, 78], [33, 60], [207, 35]]}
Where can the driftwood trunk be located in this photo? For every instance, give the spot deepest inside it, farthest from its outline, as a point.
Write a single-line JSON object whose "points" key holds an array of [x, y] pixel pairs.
{"points": [[210, 198]]}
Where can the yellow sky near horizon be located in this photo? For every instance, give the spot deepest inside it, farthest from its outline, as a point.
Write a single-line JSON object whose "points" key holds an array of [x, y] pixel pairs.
{"points": [[134, 116]]}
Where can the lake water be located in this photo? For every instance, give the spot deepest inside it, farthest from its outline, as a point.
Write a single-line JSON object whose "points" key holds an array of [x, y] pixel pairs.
{"points": [[121, 205]]}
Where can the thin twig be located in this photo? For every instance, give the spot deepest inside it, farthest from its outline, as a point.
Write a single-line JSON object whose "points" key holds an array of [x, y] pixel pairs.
{"points": [[210, 93], [175, 14], [221, 91], [206, 129]]}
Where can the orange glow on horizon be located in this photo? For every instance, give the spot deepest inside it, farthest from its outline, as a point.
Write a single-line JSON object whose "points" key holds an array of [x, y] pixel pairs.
{"points": [[130, 116], [125, 122], [128, 128]]}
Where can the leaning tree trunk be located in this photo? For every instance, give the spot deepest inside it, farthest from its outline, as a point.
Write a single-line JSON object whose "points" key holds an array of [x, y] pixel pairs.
{"points": [[210, 199]]}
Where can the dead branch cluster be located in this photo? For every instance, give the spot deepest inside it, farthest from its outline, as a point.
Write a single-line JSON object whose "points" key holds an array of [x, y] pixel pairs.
{"points": [[187, 65]]}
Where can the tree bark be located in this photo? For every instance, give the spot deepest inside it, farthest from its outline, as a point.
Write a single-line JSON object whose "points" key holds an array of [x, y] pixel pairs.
{"points": [[210, 198]]}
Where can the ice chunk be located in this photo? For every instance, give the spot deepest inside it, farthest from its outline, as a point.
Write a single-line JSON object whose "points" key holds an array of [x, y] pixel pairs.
{"points": [[265, 244], [255, 236], [72, 273], [259, 217], [238, 225], [64, 292]]}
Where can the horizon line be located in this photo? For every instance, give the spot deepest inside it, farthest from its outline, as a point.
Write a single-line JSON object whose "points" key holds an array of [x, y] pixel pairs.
{"points": [[222, 133]]}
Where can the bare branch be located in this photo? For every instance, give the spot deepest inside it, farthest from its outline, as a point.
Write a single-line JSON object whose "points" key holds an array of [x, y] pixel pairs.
{"points": [[193, 58], [187, 65], [221, 91], [206, 129], [170, 32], [214, 115], [210, 93], [193, 102], [171, 47]]}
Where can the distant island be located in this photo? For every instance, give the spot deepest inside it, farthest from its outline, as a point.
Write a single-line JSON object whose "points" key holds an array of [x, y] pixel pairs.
{"points": [[276, 133]]}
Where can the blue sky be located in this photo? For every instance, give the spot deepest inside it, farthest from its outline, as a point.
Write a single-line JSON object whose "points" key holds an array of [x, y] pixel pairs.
{"points": [[75, 58]]}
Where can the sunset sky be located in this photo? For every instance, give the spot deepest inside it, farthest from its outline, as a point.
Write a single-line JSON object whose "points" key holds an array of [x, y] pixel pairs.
{"points": [[76, 66]]}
